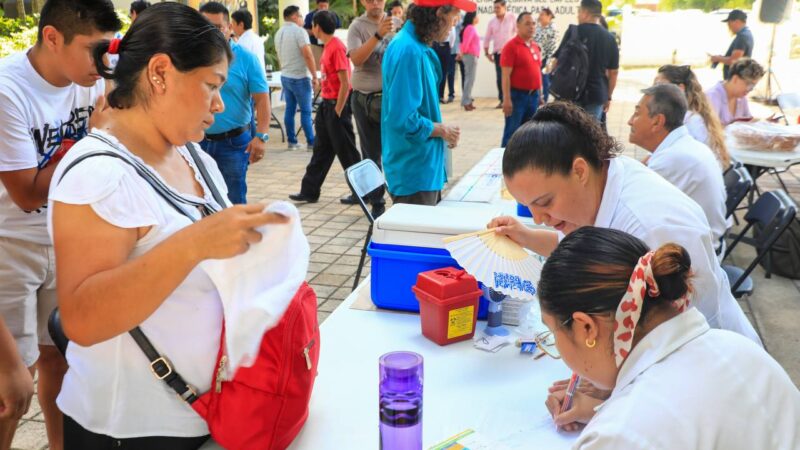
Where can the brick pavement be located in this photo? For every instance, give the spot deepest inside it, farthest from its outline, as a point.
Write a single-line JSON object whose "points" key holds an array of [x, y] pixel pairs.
{"points": [[336, 231]]}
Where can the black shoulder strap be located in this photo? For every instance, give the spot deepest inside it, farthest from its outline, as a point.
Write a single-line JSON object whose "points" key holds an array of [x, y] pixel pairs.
{"points": [[146, 175], [159, 365], [162, 368], [198, 162]]}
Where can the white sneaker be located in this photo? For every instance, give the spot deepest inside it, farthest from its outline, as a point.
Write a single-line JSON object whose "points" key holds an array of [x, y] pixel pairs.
{"points": [[297, 146]]}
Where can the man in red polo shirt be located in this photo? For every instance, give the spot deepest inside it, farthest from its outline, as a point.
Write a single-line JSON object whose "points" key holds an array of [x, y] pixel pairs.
{"points": [[521, 63], [334, 121]]}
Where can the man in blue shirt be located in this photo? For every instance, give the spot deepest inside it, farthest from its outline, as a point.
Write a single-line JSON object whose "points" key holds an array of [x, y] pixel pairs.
{"points": [[229, 140], [742, 45], [412, 135]]}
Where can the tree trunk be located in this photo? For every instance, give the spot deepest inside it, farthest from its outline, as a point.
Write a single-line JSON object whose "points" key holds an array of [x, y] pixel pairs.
{"points": [[36, 6], [20, 9]]}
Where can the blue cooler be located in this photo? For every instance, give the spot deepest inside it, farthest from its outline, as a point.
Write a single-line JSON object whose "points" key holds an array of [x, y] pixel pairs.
{"points": [[407, 240]]}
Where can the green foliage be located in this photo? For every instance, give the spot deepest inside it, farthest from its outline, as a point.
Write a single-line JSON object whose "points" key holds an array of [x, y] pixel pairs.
{"points": [[344, 9], [125, 19], [10, 26], [270, 27], [267, 26], [17, 34]]}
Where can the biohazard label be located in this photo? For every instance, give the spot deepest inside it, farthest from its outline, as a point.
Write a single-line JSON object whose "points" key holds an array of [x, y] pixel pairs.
{"points": [[460, 322]]}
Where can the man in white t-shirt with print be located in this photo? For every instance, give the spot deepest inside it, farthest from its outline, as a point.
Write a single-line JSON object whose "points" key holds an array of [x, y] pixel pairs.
{"points": [[47, 95]]}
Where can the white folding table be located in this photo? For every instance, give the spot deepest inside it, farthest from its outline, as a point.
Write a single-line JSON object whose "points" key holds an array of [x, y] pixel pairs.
{"points": [[500, 395]]}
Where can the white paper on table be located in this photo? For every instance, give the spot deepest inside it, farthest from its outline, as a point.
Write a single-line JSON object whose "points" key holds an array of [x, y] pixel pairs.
{"points": [[256, 287]]}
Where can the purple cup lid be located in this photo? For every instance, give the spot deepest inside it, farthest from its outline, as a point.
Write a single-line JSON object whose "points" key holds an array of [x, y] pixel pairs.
{"points": [[401, 370]]}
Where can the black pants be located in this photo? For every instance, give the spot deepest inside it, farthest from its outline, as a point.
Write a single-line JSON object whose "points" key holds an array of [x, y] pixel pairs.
{"points": [[498, 71], [369, 134], [335, 137], [461, 71], [78, 438], [448, 62], [429, 198]]}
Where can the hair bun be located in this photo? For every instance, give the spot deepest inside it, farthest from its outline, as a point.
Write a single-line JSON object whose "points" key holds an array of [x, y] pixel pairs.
{"points": [[672, 269]]}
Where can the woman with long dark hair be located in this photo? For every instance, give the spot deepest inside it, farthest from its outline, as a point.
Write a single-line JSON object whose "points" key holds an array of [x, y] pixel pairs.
{"points": [[621, 317], [126, 256], [569, 173]]}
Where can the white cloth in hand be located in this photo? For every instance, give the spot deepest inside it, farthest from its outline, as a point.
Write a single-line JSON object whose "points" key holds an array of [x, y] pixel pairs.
{"points": [[256, 287]]}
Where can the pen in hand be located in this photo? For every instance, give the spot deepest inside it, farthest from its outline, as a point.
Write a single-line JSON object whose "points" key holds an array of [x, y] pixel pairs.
{"points": [[574, 381]]}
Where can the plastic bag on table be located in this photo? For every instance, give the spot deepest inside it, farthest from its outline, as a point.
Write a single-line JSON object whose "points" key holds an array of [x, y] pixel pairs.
{"points": [[764, 136]]}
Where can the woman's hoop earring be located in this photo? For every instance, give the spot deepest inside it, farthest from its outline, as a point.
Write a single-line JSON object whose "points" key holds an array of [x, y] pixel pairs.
{"points": [[591, 343]]}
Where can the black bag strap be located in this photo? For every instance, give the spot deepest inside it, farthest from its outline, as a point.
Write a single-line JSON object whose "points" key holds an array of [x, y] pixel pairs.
{"points": [[160, 366], [198, 162], [145, 174]]}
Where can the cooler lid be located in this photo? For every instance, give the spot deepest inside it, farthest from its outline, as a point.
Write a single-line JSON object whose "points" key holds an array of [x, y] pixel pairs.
{"points": [[434, 219]]}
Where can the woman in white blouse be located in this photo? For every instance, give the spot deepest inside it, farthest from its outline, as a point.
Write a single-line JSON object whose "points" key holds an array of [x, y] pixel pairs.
{"points": [[126, 258], [622, 319], [566, 169]]}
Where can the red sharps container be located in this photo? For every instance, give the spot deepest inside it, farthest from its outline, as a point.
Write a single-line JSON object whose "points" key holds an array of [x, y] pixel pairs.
{"points": [[448, 304]]}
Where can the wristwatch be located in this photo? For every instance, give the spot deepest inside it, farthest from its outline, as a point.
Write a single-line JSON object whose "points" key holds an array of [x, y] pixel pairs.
{"points": [[378, 36], [263, 136]]}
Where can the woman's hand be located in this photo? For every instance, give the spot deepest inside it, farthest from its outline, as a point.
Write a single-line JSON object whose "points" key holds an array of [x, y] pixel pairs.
{"points": [[16, 390], [510, 227], [578, 415], [231, 231], [586, 387]]}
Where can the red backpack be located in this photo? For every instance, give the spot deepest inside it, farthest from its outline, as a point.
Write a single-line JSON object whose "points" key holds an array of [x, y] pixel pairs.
{"points": [[265, 406]]}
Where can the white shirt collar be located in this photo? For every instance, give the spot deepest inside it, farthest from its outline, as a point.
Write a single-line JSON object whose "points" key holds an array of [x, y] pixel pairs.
{"points": [[673, 137], [661, 342], [611, 193]]}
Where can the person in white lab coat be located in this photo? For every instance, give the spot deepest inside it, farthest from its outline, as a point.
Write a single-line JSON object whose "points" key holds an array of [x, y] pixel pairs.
{"points": [[622, 319], [565, 168], [657, 126]]}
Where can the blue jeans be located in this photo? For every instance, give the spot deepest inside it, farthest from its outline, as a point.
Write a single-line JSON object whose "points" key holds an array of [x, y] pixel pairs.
{"points": [[545, 87], [595, 109], [524, 106], [297, 92], [232, 159]]}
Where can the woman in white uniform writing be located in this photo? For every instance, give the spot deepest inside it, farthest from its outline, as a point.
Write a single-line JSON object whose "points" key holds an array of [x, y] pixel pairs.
{"points": [[566, 169], [622, 319]]}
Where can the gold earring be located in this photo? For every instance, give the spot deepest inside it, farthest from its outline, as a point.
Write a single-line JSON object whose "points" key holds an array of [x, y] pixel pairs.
{"points": [[591, 343]]}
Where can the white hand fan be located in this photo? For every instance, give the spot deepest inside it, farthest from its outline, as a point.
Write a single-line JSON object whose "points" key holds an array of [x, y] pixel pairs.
{"points": [[497, 262]]}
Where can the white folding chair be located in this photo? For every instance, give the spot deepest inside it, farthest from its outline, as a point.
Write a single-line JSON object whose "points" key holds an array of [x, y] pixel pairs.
{"points": [[788, 101]]}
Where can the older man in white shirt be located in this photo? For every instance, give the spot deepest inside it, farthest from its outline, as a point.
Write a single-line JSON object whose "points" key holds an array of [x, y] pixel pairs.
{"points": [[242, 25], [657, 126]]}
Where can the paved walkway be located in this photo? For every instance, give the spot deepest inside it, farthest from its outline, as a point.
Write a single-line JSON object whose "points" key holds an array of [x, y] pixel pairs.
{"points": [[336, 231]]}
